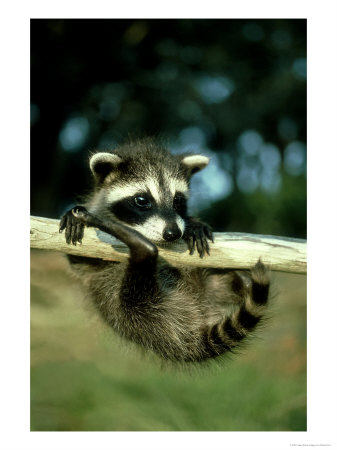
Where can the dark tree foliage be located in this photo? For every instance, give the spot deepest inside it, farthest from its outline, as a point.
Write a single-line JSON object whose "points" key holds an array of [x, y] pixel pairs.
{"points": [[233, 87]]}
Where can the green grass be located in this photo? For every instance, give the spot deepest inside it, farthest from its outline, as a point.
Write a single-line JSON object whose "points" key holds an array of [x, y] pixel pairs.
{"points": [[84, 378]]}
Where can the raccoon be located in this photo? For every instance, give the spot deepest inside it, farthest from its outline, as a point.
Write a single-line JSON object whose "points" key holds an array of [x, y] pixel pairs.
{"points": [[183, 314]]}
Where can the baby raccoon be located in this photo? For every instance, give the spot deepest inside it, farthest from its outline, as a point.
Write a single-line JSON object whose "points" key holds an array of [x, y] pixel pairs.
{"points": [[182, 314]]}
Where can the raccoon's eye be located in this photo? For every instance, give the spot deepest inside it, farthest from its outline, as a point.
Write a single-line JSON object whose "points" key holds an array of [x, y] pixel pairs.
{"points": [[142, 202], [179, 202]]}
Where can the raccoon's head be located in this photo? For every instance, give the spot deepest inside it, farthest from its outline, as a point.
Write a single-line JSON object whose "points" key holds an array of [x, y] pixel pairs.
{"points": [[144, 187]]}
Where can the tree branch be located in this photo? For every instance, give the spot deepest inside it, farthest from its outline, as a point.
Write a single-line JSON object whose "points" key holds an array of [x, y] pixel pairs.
{"points": [[230, 250]]}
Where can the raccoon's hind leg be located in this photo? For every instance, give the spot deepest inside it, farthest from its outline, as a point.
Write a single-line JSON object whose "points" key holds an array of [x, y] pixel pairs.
{"points": [[227, 334]]}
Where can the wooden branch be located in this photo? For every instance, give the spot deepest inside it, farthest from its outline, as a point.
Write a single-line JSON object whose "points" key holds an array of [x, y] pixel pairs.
{"points": [[230, 250]]}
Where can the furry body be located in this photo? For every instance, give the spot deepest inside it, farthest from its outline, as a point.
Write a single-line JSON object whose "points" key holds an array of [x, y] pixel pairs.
{"points": [[182, 314]]}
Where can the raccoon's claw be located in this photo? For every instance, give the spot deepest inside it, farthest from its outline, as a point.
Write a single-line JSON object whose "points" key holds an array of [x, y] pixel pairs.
{"points": [[73, 226], [196, 235], [209, 233]]}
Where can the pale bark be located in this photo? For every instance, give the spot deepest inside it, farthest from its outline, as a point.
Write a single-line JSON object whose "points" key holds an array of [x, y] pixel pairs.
{"points": [[230, 250]]}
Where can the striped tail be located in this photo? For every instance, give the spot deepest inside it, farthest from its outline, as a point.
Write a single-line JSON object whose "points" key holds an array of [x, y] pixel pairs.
{"points": [[226, 335]]}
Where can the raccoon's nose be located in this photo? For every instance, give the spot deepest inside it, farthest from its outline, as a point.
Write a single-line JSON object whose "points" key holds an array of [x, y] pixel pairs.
{"points": [[172, 233]]}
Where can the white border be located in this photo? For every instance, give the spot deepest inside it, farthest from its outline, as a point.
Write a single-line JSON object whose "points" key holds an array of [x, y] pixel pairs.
{"points": [[322, 190]]}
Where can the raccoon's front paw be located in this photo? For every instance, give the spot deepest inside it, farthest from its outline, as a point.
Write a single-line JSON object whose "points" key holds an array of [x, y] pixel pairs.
{"points": [[73, 222], [196, 235]]}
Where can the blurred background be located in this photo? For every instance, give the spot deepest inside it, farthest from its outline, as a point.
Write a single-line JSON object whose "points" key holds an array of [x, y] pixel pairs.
{"points": [[231, 89]]}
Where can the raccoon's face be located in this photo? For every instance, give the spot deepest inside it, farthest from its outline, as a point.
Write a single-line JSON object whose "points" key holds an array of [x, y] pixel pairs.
{"points": [[147, 192]]}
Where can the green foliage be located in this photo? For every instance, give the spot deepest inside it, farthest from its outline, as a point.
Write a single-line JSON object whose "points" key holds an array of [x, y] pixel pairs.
{"points": [[83, 378], [81, 396], [264, 214], [201, 85]]}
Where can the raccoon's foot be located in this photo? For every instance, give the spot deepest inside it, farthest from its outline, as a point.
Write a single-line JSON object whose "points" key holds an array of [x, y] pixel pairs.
{"points": [[196, 235], [73, 225], [75, 220]]}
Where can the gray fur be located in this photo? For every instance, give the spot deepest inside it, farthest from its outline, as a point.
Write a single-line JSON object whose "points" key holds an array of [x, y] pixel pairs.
{"points": [[182, 314]]}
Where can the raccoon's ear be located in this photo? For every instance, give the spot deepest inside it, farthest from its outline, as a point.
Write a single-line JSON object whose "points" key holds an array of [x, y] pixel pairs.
{"points": [[194, 163], [102, 164]]}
